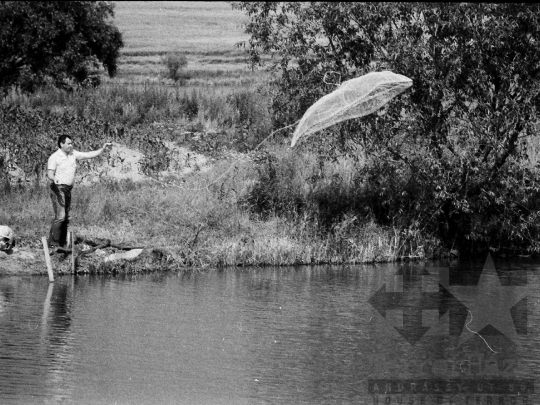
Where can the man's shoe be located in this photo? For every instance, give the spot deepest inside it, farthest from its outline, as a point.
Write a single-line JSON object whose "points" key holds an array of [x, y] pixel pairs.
{"points": [[52, 247]]}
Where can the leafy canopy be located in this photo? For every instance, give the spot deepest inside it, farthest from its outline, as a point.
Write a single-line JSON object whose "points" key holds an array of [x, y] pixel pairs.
{"points": [[452, 155], [56, 41]]}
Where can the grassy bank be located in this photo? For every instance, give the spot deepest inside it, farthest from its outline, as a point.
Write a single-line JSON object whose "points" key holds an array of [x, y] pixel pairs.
{"points": [[205, 222]]}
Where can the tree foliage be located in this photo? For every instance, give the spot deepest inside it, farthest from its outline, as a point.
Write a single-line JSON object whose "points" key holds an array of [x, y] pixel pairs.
{"points": [[56, 41], [449, 156]]}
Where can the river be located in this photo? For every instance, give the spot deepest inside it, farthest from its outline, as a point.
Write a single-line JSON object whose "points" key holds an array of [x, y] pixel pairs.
{"points": [[409, 333]]}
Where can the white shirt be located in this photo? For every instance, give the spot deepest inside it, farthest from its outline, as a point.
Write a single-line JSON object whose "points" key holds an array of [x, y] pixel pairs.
{"points": [[64, 166]]}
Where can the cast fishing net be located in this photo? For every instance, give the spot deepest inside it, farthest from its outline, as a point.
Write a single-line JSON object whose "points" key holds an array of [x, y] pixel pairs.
{"points": [[353, 99]]}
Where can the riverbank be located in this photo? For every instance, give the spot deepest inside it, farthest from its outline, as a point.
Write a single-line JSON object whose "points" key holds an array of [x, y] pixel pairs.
{"points": [[190, 219], [181, 231], [28, 261], [237, 250]]}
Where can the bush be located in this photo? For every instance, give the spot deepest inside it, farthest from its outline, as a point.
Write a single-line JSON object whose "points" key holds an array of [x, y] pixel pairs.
{"points": [[174, 63], [302, 184]]}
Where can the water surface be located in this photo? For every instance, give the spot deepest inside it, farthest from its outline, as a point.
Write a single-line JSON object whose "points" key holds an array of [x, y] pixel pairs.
{"points": [[304, 335]]}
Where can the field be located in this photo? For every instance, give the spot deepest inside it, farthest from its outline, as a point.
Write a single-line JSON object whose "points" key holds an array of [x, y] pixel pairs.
{"points": [[206, 32]]}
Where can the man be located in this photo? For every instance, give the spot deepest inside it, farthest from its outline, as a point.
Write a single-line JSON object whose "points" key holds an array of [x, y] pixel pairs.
{"points": [[61, 168]]}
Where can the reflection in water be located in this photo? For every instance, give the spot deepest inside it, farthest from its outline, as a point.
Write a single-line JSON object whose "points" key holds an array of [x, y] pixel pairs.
{"points": [[35, 351], [309, 335]]}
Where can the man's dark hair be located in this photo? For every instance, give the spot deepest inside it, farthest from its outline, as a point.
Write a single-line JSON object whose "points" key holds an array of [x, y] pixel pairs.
{"points": [[62, 139]]}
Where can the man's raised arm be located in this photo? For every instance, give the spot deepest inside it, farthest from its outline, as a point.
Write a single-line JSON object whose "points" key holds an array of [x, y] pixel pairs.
{"points": [[94, 153]]}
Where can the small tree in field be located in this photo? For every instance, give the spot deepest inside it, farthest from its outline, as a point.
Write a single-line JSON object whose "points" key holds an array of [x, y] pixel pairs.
{"points": [[174, 63]]}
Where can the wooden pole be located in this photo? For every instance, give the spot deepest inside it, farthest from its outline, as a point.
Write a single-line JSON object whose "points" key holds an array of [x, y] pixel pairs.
{"points": [[46, 310], [72, 236], [47, 259]]}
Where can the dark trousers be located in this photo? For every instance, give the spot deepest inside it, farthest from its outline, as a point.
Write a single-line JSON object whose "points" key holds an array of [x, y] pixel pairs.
{"points": [[61, 200]]}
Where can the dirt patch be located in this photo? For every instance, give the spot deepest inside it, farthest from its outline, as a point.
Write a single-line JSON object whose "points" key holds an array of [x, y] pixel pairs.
{"points": [[123, 163]]}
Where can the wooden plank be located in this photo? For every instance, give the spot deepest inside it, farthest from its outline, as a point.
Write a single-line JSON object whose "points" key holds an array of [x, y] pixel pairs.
{"points": [[47, 259], [73, 253]]}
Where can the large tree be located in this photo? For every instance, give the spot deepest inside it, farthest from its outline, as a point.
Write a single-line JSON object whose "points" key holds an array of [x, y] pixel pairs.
{"points": [[450, 155], [56, 41]]}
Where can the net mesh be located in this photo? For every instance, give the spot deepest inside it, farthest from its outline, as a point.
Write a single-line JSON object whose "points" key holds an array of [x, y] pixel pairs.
{"points": [[353, 99]]}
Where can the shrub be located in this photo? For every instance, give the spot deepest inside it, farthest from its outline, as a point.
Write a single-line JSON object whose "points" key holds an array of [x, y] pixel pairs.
{"points": [[174, 63]]}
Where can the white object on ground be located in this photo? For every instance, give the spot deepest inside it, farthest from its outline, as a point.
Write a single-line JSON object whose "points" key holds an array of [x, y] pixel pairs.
{"points": [[7, 237], [129, 255]]}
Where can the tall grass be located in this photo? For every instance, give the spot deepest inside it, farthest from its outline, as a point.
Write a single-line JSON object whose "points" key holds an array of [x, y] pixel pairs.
{"points": [[331, 198], [231, 111], [203, 223]]}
